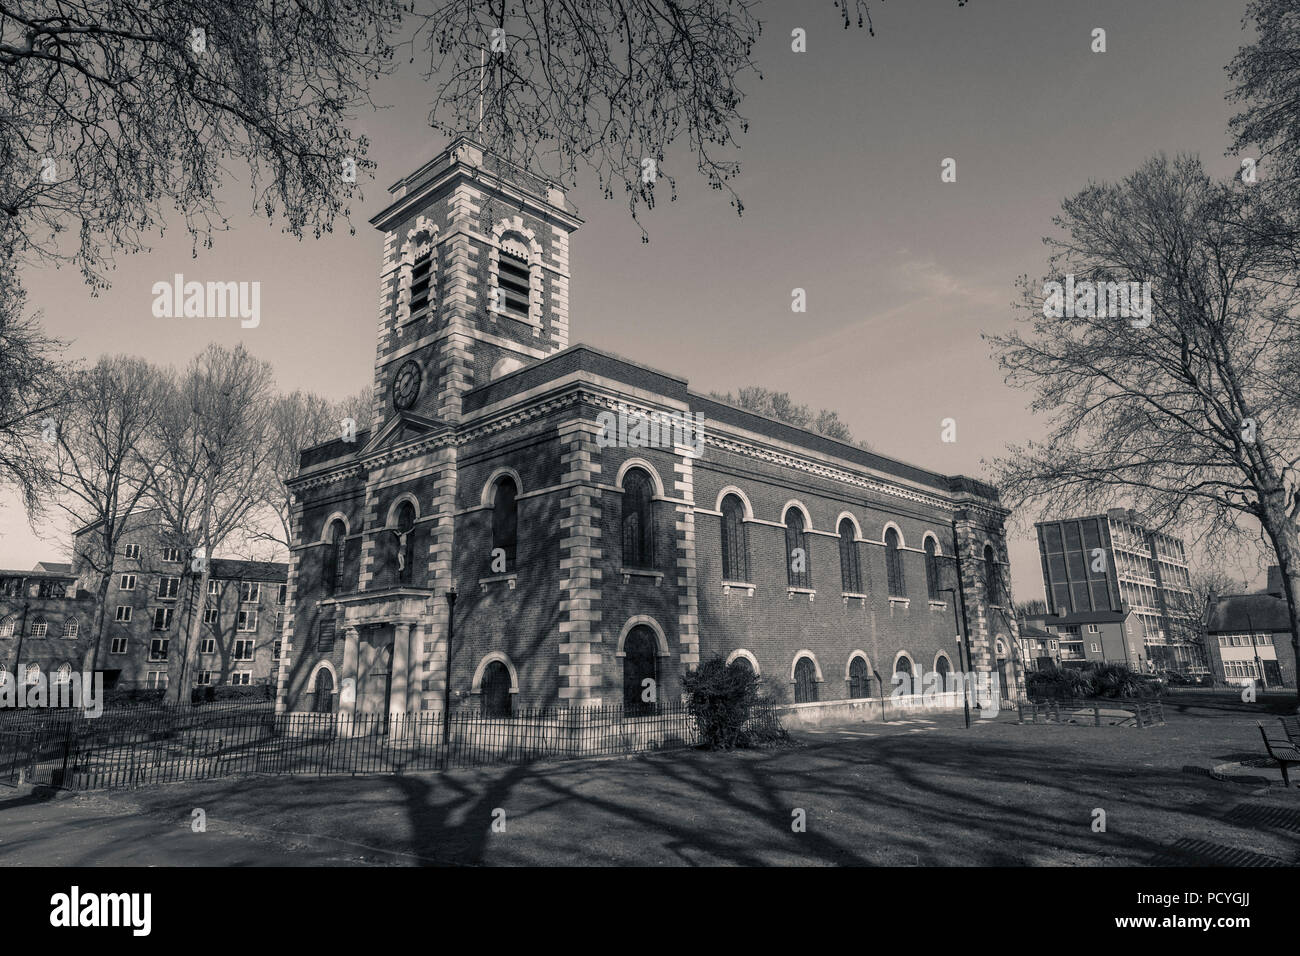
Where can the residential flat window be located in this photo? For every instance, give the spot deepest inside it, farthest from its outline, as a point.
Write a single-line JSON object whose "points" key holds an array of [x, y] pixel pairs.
{"points": [[281, 593], [214, 587], [158, 649], [172, 555], [168, 587], [117, 645], [208, 645], [735, 553], [275, 650], [131, 551], [156, 679], [162, 618], [243, 650], [210, 615], [250, 592], [279, 622], [127, 583], [241, 678], [248, 619], [40, 627], [204, 679], [1095, 649], [1092, 628]]}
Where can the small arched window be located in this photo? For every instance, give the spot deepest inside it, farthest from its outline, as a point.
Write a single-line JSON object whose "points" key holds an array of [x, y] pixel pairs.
{"points": [[71, 628], [640, 664], [859, 678], [334, 558], [992, 588], [505, 519], [805, 681], [638, 520], [894, 564], [494, 691], [405, 542], [33, 673], [932, 568], [743, 663], [40, 627], [850, 571], [7, 626], [64, 674], [735, 553], [797, 559]]}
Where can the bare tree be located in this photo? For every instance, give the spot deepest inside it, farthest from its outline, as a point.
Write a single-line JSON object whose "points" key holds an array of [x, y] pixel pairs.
{"points": [[32, 396], [210, 451], [779, 405], [98, 464], [1190, 413]]}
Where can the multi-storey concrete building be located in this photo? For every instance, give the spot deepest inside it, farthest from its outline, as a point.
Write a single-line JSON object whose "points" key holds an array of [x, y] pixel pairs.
{"points": [[47, 616], [1111, 562], [1249, 636], [530, 522]]}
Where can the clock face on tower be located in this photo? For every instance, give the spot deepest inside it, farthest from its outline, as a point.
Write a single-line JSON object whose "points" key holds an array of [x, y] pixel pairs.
{"points": [[406, 385]]}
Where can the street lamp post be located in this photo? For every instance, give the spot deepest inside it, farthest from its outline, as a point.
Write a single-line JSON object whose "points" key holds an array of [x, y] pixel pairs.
{"points": [[964, 658], [446, 681]]}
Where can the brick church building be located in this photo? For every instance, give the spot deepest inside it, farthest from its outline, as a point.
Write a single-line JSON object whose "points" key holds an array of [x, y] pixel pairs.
{"points": [[577, 561]]}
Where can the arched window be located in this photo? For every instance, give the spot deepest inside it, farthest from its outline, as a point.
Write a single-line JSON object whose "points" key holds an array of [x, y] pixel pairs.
{"points": [[859, 678], [850, 571], [33, 673], [943, 669], [797, 559], [805, 681], [513, 278], [334, 558], [744, 664], [322, 697], [894, 565], [63, 674], [421, 276], [71, 627], [505, 518], [640, 663], [735, 552], [904, 670], [932, 568], [40, 627], [494, 691], [992, 590], [638, 520], [7, 626], [405, 542]]}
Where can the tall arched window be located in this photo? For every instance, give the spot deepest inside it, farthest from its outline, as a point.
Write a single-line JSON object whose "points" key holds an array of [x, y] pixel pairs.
{"points": [[513, 278], [7, 626], [322, 698], [805, 681], [33, 673], [797, 560], [505, 518], [405, 542], [992, 590], [638, 520], [334, 558], [894, 565], [494, 691], [859, 678], [904, 669], [943, 668], [932, 568], [735, 553], [640, 664], [850, 571]]}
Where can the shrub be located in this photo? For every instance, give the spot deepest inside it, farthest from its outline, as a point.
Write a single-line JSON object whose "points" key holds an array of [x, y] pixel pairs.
{"points": [[1112, 681], [722, 698]]}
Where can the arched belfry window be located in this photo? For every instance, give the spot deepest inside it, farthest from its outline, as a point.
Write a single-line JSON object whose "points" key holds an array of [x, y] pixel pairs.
{"points": [[797, 559], [638, 519], [336, 544], [850, 570], [735, 553], [932, 568], [422, 276], [505, 519], [894, 564], [405, 542]]}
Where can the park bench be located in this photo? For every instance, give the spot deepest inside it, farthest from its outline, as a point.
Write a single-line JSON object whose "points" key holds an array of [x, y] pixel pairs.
{"points": [[1283, 753], [1291, 727]]}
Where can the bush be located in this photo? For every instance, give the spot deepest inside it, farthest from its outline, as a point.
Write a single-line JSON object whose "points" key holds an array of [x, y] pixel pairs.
{"points": [[201, 695], [1111, 681], [722, 698]]}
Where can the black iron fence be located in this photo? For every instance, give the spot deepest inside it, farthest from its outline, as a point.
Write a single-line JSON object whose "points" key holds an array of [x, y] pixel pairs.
{"points": [[142, 746]]}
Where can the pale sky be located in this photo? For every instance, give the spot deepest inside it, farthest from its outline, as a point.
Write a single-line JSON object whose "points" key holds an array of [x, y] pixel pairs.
{"points": [[842, 198]]}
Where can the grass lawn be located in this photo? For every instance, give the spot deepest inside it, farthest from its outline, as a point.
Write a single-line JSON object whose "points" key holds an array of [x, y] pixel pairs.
{"points": [[920, 792]]}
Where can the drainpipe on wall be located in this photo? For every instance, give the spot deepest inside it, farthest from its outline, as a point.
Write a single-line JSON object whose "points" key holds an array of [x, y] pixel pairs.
{"points": [[446, 683]]}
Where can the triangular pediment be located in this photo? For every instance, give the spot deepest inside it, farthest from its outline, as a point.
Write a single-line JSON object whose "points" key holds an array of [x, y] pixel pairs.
{"points": [[401, 428]]}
